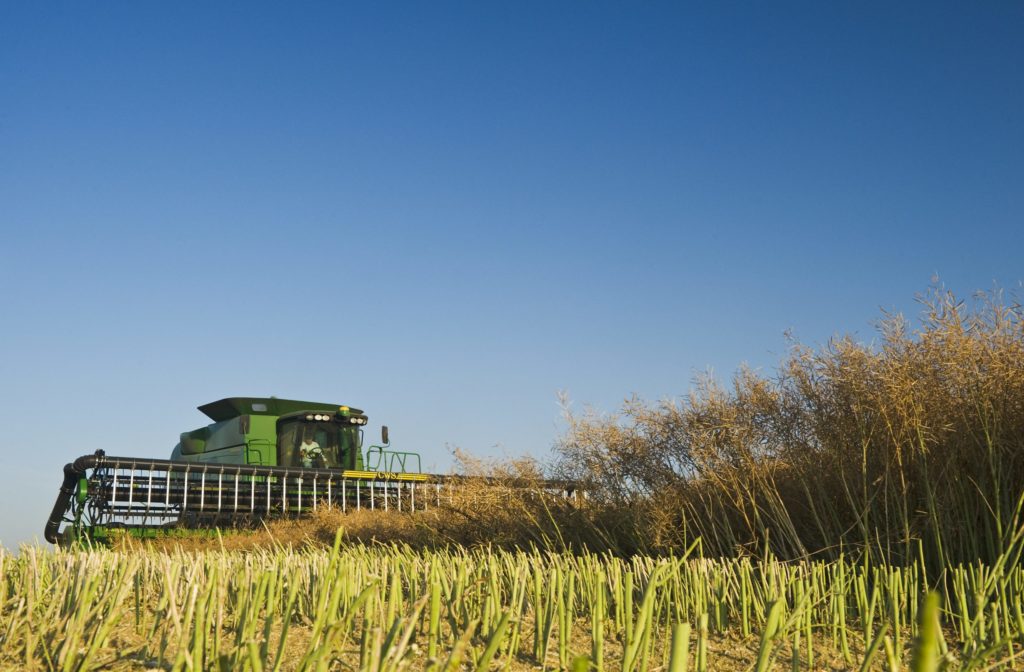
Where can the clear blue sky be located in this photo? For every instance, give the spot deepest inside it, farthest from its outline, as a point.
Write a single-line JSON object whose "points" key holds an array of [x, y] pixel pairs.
{"points": [[444, 213]]}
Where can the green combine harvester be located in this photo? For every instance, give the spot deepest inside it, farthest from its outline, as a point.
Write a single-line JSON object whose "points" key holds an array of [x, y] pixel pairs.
{"points": [[260, 458]]}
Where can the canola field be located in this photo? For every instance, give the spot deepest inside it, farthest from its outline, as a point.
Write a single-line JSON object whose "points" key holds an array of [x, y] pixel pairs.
{"points": [[386, 607]]}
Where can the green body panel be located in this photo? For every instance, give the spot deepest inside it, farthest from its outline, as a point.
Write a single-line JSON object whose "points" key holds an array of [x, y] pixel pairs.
{"points": [[261, 441], [247, 429], [100, 535]]}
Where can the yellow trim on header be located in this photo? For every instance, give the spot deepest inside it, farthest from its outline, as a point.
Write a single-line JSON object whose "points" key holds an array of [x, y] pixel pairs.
{"points": [[384, 475]]}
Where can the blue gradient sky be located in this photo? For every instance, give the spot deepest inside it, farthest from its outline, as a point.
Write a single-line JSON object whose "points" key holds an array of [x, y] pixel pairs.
{"points": [[444, 213]]}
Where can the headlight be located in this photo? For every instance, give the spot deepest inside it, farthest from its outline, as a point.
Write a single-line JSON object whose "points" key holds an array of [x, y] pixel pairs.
{"points": [[309, 417]]}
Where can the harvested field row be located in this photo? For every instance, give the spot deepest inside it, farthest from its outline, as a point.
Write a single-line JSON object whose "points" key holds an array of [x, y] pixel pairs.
{"points": [[388, 607]]}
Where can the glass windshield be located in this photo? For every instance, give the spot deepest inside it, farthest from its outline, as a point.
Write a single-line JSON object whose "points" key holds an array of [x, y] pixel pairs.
{"points": [[316, 445]]}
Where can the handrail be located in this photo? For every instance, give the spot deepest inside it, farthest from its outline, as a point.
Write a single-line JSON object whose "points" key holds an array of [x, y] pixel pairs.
{"points": [[257, 446], [389, 458]]}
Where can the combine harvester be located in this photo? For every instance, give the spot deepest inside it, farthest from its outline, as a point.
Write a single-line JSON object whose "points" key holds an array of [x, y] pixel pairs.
{"points": [[260, 458]]}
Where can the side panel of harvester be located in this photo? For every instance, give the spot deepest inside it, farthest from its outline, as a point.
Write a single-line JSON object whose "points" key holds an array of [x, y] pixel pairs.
{"points": [[247, 439]]}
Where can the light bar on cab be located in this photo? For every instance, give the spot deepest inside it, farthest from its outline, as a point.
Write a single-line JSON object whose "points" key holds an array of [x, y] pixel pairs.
{"points": [[323, 417]]}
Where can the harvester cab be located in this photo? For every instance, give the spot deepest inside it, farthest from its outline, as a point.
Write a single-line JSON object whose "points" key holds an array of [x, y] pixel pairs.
{"points": [[276, 432]]}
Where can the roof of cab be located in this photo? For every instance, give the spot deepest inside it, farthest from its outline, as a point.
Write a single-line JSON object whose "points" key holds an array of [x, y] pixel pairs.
{"points": [[232, 407]]}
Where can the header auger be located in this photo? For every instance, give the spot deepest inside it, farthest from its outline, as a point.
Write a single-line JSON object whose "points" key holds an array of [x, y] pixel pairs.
{"points": [[260, 458]]}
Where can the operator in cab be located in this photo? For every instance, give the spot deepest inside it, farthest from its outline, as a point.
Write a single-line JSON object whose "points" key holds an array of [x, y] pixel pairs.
{"points": [[310, 453]]}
